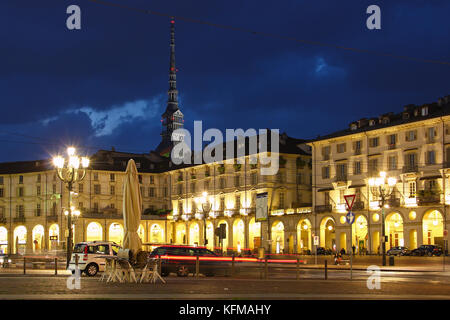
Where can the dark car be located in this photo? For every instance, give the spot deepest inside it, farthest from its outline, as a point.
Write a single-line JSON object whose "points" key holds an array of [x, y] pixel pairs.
{"points": [[182, 260], [398, 251], [324, 251], [427, 250]]}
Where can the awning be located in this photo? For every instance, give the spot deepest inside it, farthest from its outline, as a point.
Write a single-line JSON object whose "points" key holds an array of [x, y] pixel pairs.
{"points": [[357, 185], [430, 177], [324, 189]]}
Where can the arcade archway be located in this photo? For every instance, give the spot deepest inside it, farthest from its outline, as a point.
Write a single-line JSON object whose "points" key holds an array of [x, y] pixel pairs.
{"points": [[94, 232], [327, 233], [116, 233], [304, 236], [277, 237], [433, 228], [394, 230]]}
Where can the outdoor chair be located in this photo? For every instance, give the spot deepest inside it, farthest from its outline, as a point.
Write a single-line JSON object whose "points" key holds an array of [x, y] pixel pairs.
{"points": [[150, 273], [127, 271], [108, 270], [141, 263]]}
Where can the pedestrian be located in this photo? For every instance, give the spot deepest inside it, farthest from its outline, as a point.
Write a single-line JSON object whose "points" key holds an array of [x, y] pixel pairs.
{"points": [[353, 249]]}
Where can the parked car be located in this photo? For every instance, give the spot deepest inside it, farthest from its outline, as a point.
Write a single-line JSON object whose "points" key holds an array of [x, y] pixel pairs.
{"points": [[182, 265], [398, 251], [427, 250], [87, 253], [324, 251], [4, 260]]}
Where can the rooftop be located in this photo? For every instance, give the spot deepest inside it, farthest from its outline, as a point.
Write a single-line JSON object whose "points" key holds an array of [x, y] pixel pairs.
{"points": [[411, 113]]}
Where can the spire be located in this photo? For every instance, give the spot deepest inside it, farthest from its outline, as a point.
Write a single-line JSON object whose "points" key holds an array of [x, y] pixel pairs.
{"points": [[172, 102], [172, 118]]}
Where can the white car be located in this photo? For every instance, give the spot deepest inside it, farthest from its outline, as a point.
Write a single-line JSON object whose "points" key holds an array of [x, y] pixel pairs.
{"points": [[88, 252]]}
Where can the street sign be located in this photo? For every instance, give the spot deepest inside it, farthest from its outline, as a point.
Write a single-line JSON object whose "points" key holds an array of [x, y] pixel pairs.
{"points": [[316, 240], [261, 207], [350, 217], [350, 199]]}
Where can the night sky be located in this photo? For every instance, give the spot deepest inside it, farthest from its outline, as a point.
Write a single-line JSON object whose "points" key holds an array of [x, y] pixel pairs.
{"points": [[106, 84]]}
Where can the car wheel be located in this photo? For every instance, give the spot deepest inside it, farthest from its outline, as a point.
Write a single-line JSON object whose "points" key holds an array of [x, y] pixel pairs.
{"points": [[430, 254], [91, 269], [210, 274], [164, 274], [183, 271]]}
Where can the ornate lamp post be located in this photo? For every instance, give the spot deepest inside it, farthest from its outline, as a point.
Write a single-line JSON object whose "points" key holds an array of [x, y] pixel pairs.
{"points": [[383, 187], [69, 172], [206, 208]]}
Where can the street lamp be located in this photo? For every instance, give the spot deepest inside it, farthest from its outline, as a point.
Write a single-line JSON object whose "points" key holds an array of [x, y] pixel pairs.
{"points": [[69, 171], [382, 186], [206, 208]]}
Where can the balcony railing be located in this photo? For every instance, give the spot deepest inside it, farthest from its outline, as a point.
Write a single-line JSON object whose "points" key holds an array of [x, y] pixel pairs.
{"points": [[341, 178], [103, 214], [357, 151], [326, 157], [2, 219], [410, 168], [358, 205], [19, 220], [394, 202], [428, 199], [52, 218], [323, 208], [392, 146]]}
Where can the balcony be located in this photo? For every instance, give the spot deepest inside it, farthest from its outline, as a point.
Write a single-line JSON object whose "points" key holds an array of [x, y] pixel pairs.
{"points": [[52, 218], [427, 197], [3, 220], [323, 208], [357, 152], [393, 202], [410, 168], [19, 220], [326, 157], [341, 178], [392, 146], [103, 214], [358, 205]]}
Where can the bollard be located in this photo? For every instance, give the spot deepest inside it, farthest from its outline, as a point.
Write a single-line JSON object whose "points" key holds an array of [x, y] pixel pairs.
{"points": [[56, 266], [159, 264], [232, 266], [260, 269], [24, 265], [326, 269], [266, 268], [197, 267], [298, 269]]}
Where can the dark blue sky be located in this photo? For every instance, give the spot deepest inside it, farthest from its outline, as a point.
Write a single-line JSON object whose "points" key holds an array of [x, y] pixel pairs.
{"points": [[105, 85]]}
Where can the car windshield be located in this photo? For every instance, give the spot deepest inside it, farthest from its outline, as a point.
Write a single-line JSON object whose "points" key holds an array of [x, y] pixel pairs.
{"points": [[79, 248]]}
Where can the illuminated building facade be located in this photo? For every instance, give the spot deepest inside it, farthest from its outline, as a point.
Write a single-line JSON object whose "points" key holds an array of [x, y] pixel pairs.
{"points": [[412, 146]]}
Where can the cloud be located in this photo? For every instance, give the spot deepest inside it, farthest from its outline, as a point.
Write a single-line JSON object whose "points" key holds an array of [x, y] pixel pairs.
{"points": [[105, 122]]}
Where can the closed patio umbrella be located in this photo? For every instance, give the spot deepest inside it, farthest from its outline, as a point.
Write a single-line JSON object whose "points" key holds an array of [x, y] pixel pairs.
{"points": [[132, 206]]}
